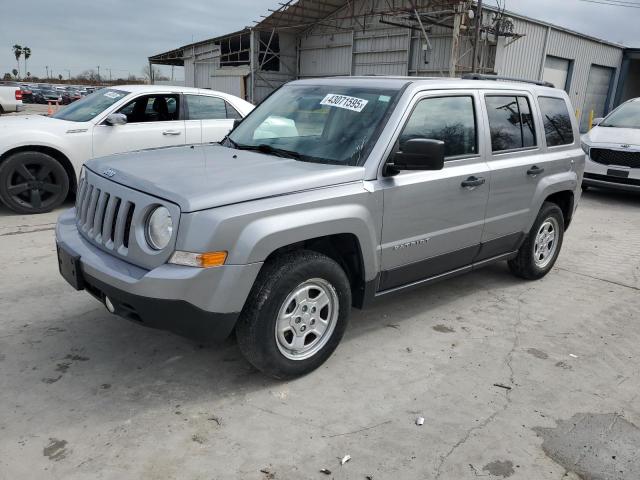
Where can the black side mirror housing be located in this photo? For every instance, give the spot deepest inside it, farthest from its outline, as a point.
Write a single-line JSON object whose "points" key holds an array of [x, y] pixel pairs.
{"points": [[418, 154]]}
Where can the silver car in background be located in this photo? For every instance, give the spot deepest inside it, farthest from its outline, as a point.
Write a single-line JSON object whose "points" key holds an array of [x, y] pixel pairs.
{"points": [[613, 149]]}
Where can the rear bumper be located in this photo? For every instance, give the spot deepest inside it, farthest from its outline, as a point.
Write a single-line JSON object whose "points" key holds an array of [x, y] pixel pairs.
{"points": [[19, 107]]}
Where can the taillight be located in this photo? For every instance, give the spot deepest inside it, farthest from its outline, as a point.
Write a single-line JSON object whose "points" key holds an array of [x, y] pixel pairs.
{"points": [[18, 94]]}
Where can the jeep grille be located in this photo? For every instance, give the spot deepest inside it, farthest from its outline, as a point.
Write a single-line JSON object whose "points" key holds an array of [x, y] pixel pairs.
{"points": [[112, 217]]}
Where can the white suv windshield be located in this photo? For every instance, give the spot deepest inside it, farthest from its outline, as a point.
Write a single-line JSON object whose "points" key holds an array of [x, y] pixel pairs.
{"points": [[90, 106], [317, 123], [627, 116]]}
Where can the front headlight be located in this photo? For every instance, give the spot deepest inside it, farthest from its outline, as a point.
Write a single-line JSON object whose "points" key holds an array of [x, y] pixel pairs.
{"points": [[159, 228], [585, 147]]}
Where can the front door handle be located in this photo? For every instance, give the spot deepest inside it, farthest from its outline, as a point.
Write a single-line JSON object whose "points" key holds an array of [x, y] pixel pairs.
{"points": [[473, 182], [171, 132], [535, 170]]}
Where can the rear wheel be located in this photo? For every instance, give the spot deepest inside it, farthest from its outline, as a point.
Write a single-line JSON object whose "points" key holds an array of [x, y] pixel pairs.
{"points": [[32, 182], [296, 314], [539, 252]]}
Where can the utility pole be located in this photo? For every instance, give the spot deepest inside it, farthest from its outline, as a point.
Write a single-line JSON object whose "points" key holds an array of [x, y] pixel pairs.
{"points": [[47, 67], [455, 39], [98, 73], [109, 74], [68, 74], [476, 41]]}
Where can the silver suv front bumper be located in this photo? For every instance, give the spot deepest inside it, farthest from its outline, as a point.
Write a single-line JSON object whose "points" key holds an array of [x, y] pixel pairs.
{"points": [[195, 302]]}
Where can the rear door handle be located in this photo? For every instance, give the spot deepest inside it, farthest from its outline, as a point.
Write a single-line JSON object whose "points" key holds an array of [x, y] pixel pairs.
{"points": [[535, 170], [473, 182], [171, 132]]}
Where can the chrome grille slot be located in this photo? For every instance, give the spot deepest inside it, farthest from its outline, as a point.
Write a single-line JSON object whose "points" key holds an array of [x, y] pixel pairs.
{"points": [[127, 224], [109, 224], [91, 211], [85, 204], [119, 220], [112, 217], [96, 230]]}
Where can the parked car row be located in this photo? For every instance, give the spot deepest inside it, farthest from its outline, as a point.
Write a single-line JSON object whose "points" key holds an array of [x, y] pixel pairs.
{"points": [[44, 93]]}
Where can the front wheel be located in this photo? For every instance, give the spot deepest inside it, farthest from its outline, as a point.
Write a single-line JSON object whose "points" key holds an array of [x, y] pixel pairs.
{"points": [[33, 182], [296, 314], [539, 252]]}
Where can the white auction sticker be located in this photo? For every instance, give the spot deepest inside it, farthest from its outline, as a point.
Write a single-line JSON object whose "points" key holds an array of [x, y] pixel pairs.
{"points": [[343, 101], [112, 94]]}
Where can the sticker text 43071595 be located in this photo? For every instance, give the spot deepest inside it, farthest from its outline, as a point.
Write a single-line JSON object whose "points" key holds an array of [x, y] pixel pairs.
{"points": [[344, 101]]}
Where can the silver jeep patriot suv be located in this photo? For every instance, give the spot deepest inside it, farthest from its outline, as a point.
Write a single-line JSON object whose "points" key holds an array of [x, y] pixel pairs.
{"points": [[332, 192]]}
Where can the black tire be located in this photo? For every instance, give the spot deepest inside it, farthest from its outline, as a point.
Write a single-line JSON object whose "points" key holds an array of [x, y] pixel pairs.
{"points": [[32, 182], [279, 278], [524, 265]]}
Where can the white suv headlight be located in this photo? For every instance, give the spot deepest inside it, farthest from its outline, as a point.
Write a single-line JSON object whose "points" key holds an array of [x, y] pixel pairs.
{"points": [[585, 147], [159, 228]]}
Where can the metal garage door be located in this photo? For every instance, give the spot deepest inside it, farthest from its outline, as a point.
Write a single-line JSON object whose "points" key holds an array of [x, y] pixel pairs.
{"points": [[556, 71], [597, 94]]}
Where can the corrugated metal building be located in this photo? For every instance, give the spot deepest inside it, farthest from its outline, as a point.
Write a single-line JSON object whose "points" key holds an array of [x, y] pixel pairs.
{"points": [[311, 38]]}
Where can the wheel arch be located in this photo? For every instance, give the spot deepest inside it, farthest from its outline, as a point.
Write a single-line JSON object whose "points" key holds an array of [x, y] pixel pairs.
{"points": [[53, 152], [345, 249], [564, 199]]}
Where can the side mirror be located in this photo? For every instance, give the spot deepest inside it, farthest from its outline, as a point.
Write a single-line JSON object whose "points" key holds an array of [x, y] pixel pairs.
{"points": [[114, 119], [597, 121], [236, 122], [418, 154]]}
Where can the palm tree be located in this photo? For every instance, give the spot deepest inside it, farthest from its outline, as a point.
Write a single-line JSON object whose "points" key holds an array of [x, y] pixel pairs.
{"points": [[26, 51], [17, 52], [15, 73]]}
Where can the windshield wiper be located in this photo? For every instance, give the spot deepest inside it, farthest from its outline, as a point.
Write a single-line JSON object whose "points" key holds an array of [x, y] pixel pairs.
{"points": [[265, 148]]}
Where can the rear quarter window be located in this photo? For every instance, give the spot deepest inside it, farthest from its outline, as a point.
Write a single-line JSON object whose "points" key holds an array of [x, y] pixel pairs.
{"points": [[510, 122], [556, 119]]}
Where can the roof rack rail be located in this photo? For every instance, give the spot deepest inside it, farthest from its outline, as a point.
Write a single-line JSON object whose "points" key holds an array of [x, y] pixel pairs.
{"points": [[481, 76]]}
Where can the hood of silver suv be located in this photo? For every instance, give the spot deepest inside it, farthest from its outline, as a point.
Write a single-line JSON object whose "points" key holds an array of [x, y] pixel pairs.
{"points": [[207, 176]]}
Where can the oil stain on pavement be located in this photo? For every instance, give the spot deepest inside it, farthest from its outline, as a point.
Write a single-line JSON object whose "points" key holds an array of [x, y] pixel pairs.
{"points": [[499, 468], [595, 446], [56, 450]]}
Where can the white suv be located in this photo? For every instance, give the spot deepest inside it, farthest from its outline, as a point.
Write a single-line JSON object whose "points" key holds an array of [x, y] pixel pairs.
{"points": [[40, 156], [613, 149]]}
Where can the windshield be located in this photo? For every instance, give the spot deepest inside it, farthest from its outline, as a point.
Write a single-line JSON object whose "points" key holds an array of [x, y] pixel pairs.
{"points": [[90, 106], [627, 116], [317, 123]]}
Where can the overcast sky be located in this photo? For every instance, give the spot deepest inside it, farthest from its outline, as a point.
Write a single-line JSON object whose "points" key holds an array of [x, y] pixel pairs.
{"points": [[78, 35]]}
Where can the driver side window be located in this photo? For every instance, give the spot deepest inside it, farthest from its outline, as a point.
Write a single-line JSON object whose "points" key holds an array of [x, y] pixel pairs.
{"points": [[450, 119], [152, 108]]}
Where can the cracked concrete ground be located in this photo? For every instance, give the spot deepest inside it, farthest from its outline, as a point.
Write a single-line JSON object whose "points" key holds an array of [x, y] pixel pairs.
{"points": [[491, 362]]}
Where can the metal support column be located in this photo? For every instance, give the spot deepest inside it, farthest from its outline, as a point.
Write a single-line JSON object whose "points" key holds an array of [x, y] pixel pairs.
{"points": [[252, 63]]}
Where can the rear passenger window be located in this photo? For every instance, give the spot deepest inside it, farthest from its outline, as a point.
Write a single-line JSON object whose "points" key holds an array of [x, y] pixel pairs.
{"points": [[450, 119], [557, 121], [203, 107], [510, 122]]}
